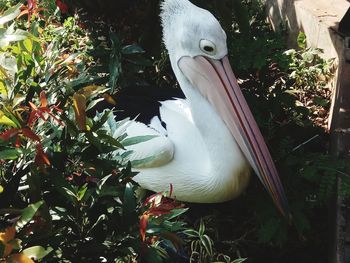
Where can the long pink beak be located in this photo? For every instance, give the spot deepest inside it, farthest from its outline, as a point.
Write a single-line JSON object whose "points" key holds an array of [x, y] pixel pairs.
{"points": [[216, 82]]}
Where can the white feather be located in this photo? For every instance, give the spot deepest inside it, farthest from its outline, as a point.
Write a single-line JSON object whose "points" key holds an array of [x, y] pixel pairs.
{"points": [[198, 172], [150, 153]]}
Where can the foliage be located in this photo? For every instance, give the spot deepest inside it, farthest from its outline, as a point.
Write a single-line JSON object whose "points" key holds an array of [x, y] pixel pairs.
{"points": [[291, 97], [66, 188], [203, 249]]}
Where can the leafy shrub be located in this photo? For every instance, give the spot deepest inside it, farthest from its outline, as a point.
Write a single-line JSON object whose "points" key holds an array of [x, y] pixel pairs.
{"points": [[66, 194]]}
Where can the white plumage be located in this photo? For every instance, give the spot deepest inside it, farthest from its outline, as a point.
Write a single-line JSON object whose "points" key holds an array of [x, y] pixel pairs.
{"points": [[211, 134], [207, 165]]}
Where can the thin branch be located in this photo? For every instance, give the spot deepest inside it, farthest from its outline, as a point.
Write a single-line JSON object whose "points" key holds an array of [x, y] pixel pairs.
{"points": [[306, 142]]}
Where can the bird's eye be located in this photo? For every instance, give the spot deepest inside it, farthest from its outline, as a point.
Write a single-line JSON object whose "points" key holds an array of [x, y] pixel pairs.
{"points": [[207, 47]]}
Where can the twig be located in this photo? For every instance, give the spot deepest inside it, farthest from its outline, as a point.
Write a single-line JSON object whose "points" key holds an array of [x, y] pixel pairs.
{"points": [[306, 142]]}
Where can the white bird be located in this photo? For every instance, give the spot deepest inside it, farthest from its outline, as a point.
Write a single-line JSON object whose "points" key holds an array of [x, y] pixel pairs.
{"points": [[211, 138]]}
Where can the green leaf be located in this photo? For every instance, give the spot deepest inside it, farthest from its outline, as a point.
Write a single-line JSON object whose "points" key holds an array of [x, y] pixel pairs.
{"points": [[173, 226], [176, 212], [37, 252], [28, 45], [191, 233], [132, 49], [137, 139], [239, 260], [207, 244], [6, 37], [94, 140], [129, 199], [201, 228], [84, 79], [4, 120], [27, 214], [10, 154], [144, 162], [321, 101], [114, 62], [70, 194], [109, 139], [98, 124], [10, 14], [301, 40], [81, 192]]}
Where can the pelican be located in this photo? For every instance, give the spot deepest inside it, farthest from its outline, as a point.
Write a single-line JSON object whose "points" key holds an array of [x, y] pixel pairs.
{"points": [[211, 140]]}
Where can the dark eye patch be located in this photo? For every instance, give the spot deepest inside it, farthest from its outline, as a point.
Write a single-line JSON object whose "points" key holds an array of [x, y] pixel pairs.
{"points": [[208, 49]]}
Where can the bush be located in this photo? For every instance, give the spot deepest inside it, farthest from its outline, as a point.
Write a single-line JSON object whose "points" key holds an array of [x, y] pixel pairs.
{"points": [[66, 191]]}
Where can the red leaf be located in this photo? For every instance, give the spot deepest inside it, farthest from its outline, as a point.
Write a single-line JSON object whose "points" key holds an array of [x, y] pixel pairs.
{"points": [[62, 6], [30, 134], [41, 158], [143, 226], [7, 135], [31, 4], [32, 118], [18, 142], [43, 99], [151, 198], [34, 107]]}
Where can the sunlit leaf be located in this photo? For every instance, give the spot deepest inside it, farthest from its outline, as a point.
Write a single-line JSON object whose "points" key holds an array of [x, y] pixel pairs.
{"points": [[137, 139], [3, 90], [110, 140], [10, 13], [37, 252], [28, 213], [19, 258], [8, 67], [28, 45], [79, 105], [101, 120], [5, 238], [81, 192], [6, 121], [301, 40], [18, 35]]}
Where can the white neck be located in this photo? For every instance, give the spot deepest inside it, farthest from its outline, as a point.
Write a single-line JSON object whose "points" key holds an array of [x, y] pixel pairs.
{"points": [[215, 134]]}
